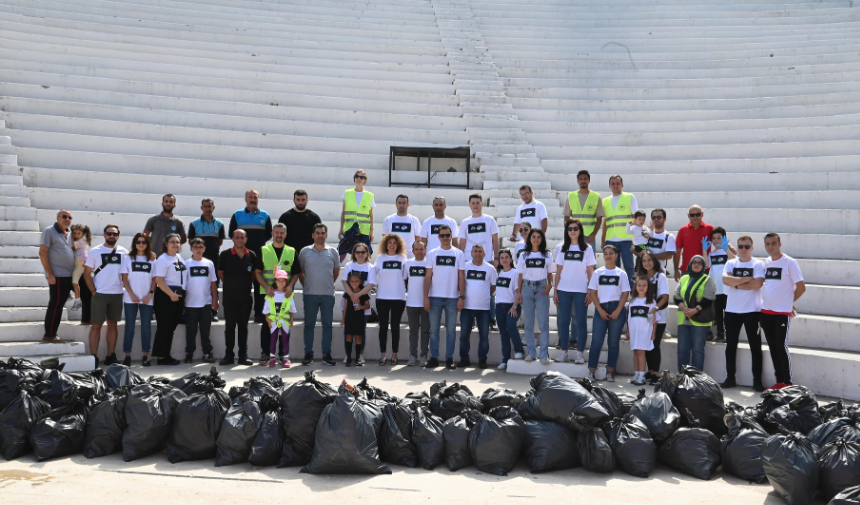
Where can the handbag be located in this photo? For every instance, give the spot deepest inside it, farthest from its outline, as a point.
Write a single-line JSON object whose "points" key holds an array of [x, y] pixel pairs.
{"points": [[707, 314]]}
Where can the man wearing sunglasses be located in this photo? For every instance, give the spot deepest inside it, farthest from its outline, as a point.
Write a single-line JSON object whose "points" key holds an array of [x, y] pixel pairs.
{"points": [[103, 275], [660, 241], [58, 260], [691, 239]]}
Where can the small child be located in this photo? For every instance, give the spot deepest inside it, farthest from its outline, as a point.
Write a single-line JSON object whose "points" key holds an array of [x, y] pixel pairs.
{"points": [[639, 231], [279, 310], [354, 321], [82, 239], [641, 326], [721, 252]]}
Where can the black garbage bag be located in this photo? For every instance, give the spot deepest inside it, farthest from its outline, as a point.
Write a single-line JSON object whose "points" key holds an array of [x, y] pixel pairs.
{"points": [[60, 383], [450, 401], [841, 427], [774, 398], [118, 376], [265, 386], [832, 410], [238, 431], [609, 400], [697, 392], [627, 400], [549, 446], [427, 438], [492, 398], [9, 381], [634, 449], [691, 450], [790, 465], [198, 383], [106, 424], [345, 439], [196, 425], [395, 440], [496, 440], [800, 415], [838, 467], [373, 393], [558, 398], [594, 450], [740, 449], [149, 413], [456, 432], [269, 441], [302, 404], [60, 432], [658, 414], [19, 417], [850, 496], [92, 387]]}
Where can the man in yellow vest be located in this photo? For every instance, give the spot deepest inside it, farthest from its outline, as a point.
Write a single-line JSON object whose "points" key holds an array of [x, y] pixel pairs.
{"points": [[585, 205], [274, 256], [619, 209], [356, 216]]}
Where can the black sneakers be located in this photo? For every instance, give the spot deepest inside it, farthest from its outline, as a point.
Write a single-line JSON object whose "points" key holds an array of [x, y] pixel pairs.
{"points": [[449, 364], [432, 363], [226, 361], [482, 364], [729, 383], [97, 360], [145, 361], [758, 387], [127, 361], [328, 361], [464, 363], [188, 357], [208, 358], [168, 361], [309, 359], [110, 360], [243, 360]]}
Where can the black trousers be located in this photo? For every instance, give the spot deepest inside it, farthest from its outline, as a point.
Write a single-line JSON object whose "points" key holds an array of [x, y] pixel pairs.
{"points": [[236, 312], [776, 327], [167, 316], [390, 311], [653, 357], [59, 294], [259, 300], [198, 317], [719, 313], [750, 322]]}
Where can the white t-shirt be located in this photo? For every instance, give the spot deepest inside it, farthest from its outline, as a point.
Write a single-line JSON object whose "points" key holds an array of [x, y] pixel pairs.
{"points": [[279, 299], [534, 266], [139, 270], [506, 286], [201, 275], [388, 272], [780, 277], [408, 227], [662, 289], [634, 206], [640, 234], [574, 273], [518, 246], [173, 269], [640, 322], [479, 230], [446, 265], [359, 195], [718, 259], [741, 301], [430, 231], [367, 274], [532, 213], [479, 281], [659, 243], [609, 284], [414, 272], [109, 279]]}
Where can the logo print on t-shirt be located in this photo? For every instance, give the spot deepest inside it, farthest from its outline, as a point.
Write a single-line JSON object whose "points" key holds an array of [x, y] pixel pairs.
{"points": [[535, 262], [774, 273], [655, 243], [445, 261], [391, 265], [434, 229], [532, 212], [417, 272], [401, 227], [608, 280], [141, 266], [476, 275], [743, 272], [638, 311], [720, 259], [199, 272], [111, 259], [179, 267], [573, 256], [503, 282], [477, 228]]}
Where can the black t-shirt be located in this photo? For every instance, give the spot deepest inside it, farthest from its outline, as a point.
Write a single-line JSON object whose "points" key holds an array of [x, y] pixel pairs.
{"points": [[300, 227], [295, 269], [238, 272]]}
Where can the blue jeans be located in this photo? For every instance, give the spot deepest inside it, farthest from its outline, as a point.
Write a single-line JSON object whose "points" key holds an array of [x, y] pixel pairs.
{"points": [[437, 305], [508, 330], [627, 258], [691, 340], [482, 319], [324, 304], [533, 301], [131, 311], [599, 328], [572, 304]]}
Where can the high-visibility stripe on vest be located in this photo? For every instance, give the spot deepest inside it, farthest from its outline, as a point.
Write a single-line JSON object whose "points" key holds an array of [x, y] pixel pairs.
{"points": [[617, 218], [698, 293], [271, 262], [588, 215], [282, 317], [360, 214]]}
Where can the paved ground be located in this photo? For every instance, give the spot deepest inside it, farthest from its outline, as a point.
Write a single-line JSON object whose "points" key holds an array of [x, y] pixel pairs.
{"points": [[154, 480]]}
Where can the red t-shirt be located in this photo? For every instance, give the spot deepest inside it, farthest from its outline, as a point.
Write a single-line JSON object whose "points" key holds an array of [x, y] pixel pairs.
{"points": [[688, 243]]}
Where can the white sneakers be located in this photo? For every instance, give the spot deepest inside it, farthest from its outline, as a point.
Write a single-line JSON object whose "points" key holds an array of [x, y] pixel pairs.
{"points": [[518, 355], [579, 360], [361, 358], [76, 305], [591, 376], [562, 357], [529, 358], [609, 377], [503, 366], [544, 360]]}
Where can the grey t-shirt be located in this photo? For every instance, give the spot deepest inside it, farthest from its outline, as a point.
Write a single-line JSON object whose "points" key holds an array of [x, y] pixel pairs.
{"points": [[318, 267], [159, 227], [61, 256]]}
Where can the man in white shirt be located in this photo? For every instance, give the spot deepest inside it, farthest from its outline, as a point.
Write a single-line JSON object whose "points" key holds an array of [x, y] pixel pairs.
{"points": [[430, 229], [531, 211], [102, 273], [444, 289], [783, 285], [660, 241], [403, 224], [480, 229], [479, 278]]}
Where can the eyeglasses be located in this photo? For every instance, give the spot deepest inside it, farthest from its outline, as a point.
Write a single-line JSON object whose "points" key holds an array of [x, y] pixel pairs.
{"points": [[111, 234], [744, 246], [444, 235], [573, 228], [196, 247], [141, 242], [695, 214], [362, 177]]}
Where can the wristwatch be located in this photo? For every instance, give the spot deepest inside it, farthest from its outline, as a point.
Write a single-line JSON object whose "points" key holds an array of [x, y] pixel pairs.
{"points": [[151, 291], [462, 297]]}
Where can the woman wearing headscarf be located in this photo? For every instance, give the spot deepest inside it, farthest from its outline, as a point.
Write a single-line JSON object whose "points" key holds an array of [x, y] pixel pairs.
{"points": [[695, 296]]}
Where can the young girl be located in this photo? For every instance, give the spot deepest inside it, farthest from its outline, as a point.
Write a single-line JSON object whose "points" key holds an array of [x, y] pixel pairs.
{"points": [[507, 310], [82, 239], [641, 326], [279, 310], [354, 322], [359, 262]]}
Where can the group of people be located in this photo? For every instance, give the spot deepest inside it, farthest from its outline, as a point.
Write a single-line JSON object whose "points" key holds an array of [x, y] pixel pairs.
{"points": [[428, 270]]}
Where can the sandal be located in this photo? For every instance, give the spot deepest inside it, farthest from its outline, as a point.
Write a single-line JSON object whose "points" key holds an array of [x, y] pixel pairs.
{"points": [[382, 361]]}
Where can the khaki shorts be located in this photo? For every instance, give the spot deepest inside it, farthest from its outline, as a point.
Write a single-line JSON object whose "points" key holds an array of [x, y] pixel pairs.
{"points": [[106, 307]]}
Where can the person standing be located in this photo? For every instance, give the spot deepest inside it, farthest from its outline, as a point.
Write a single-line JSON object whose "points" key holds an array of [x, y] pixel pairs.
{"points": [[137, 277], [356, 216], [171, 279], [479, 229], [695, 293], [619, 209], [479, 277], [507, 311], [535, 268], [574, 265], [390, 293], [58, 261], [721, 252], [211, 230], [690, 239], [321, 268], [414, 273], [273, 257], [531, 211], [407, 226], [585, 205], [783, 285], [201, 299], [651, 269], [661, 242], [430, 228], [258, 230], [743, 278], [300, 221], [360, 263], [103, 275], [444, 290], [164, 223], [609, 290], [236, 271]]}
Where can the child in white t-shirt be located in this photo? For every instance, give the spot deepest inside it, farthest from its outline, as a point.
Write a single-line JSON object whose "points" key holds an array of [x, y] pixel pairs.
{"points": [[641, 326], [639, 231]]}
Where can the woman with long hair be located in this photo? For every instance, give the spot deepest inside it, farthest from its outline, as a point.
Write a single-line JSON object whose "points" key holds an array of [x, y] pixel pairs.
{"points": [[137, 277], [574, 265], [390, 293], [535, 267], [171, 278]]}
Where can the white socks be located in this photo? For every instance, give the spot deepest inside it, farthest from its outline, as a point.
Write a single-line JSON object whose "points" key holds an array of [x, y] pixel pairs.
{"points": [[639, 375]]}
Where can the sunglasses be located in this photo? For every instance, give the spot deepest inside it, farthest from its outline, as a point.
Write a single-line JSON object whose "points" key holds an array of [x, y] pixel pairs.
{"points": [[362, 177], [655, 218], [360, 252], [695, 214], [141, 242], [744, 246], [111, 234], [573, 228], [65, 217], [444, 235], [523, 230]]}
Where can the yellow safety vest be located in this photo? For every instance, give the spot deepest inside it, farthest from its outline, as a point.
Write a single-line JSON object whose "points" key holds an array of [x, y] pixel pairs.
{"points": [[357, 214], [698, 292], [617, 218], [282, 316], [270, 261], [588, 215]]}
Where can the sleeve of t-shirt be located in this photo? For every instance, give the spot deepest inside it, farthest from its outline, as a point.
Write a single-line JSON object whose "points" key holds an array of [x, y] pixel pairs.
{"points": [[91, 260], [371, 275], [494, 226], [625, 284], [295, 268], [590, 260], [180, 227], [213, 277], [222, 259], [346, 270], [293, 305], [461, 266], [494, 275], [363, 298], [541, 211], [461, 261], [455, 230], [430, 259], [343, 196], [559, 258], [634, 205], [268, 235], [758, 270], [46, 238], [679, 241], [150, 224], [550, 266], [794, 272], [463, 229], [125, 267], [233, 226], [266, 306], [669, 246], [518, 218], [592, 284], [521, 264], [373, 203], [630, 228], [221, 232], [191, 233], [566, 208], [662, 286], [424, 230], [386, 225], [161, 268]]}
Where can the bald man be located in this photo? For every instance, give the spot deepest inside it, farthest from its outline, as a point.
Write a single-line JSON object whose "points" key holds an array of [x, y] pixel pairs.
{"points": [[693, 239]]}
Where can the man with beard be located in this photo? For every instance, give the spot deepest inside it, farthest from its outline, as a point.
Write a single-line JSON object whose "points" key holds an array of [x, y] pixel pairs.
{"points": [[585, 205], [164, 223], [300, 221], [104, 280]]}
